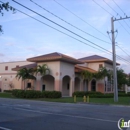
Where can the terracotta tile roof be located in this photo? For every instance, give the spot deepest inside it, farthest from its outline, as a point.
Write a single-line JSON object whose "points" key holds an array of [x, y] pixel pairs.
{"points": [[96, 58], [82, 68], [25, 66], [54, 57]]}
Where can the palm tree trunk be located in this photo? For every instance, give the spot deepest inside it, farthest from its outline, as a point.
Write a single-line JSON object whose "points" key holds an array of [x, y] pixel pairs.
{"points": [[25, 84], [85, 86]]}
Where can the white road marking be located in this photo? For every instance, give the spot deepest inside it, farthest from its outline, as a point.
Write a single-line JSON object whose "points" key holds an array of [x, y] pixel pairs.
{"points": [[3, 128], [21, 105], [82, 117]]}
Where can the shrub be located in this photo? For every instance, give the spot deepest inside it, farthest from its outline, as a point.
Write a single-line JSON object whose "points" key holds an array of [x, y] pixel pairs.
{"points": [[99, 95], [8, 91], [88, 93], [51, 94], [36, 94]]}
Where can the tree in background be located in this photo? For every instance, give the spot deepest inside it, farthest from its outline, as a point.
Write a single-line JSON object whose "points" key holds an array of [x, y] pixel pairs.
{"points": [[102, 73], [121, 78], [5, 6], [128, 79]]}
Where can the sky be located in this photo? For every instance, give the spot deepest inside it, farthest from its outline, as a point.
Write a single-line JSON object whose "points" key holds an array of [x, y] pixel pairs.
{"points": [[25, 37]]}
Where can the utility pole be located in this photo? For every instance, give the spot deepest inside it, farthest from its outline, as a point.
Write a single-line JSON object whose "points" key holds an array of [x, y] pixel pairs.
{"points": [[114, 62], [114, 57]]}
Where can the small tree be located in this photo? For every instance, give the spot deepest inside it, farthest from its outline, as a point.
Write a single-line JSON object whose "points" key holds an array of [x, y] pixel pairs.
{"points": [[102, 73], [25, 73], [86, 75], [43, 70]]}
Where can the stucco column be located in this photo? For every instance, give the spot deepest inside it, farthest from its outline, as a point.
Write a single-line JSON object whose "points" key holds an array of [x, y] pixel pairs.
{"points": [[1, 85], [71, 87], [58, 85], [81, 85], [89, 85], [38, 83]]}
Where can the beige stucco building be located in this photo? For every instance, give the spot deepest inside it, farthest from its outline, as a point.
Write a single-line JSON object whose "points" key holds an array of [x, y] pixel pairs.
{"points": [[64, 76]]}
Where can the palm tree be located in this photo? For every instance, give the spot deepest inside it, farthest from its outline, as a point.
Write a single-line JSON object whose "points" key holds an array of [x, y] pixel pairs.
{"points": [[86, 75], [43, 70], [25, 73]]}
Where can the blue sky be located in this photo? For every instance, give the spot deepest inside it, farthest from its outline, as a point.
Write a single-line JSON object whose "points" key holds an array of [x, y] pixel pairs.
{"points": [[24, 37]]}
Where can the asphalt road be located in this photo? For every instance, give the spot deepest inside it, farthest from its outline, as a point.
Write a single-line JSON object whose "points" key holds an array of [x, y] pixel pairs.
{"points": [[37, 115]]}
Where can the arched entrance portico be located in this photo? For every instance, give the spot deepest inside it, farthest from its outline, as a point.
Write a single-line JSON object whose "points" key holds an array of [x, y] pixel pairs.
{"points": [[47, 83], [85, 85], [93, 85], [77, 84], [65, 85]]}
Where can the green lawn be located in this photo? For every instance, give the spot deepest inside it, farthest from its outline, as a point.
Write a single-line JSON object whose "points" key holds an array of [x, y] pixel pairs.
{"points": [[122, 100], [6, 95]]}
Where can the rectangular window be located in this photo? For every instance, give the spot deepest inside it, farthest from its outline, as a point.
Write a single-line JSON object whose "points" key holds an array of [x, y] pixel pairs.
{"points": [[100, 65], [6, 67], [29, 85]]}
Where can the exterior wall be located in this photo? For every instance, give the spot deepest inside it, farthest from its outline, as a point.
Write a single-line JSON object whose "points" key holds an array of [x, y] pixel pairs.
{"points": [[84, 65], [108, 66], [7, 77], [48, 81], [100, 87], [95, 66], [60, 69], [54, 67], [67, 69]]}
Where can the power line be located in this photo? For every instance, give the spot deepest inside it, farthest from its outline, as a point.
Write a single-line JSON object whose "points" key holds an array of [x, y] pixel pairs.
{"points": [[124, 51], [120, 9], [54, 28], [111, 7], [69, 35], [103, 8], [117, 14], [124, 27], [79, 18], [64, 28], [120, 23], [112, 16], [60, 25], [68, 22]]}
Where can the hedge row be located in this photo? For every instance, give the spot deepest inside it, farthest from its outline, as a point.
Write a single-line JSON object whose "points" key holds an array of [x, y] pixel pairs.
{"points": [[8, 91], [99, 94], [36, 94]]}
